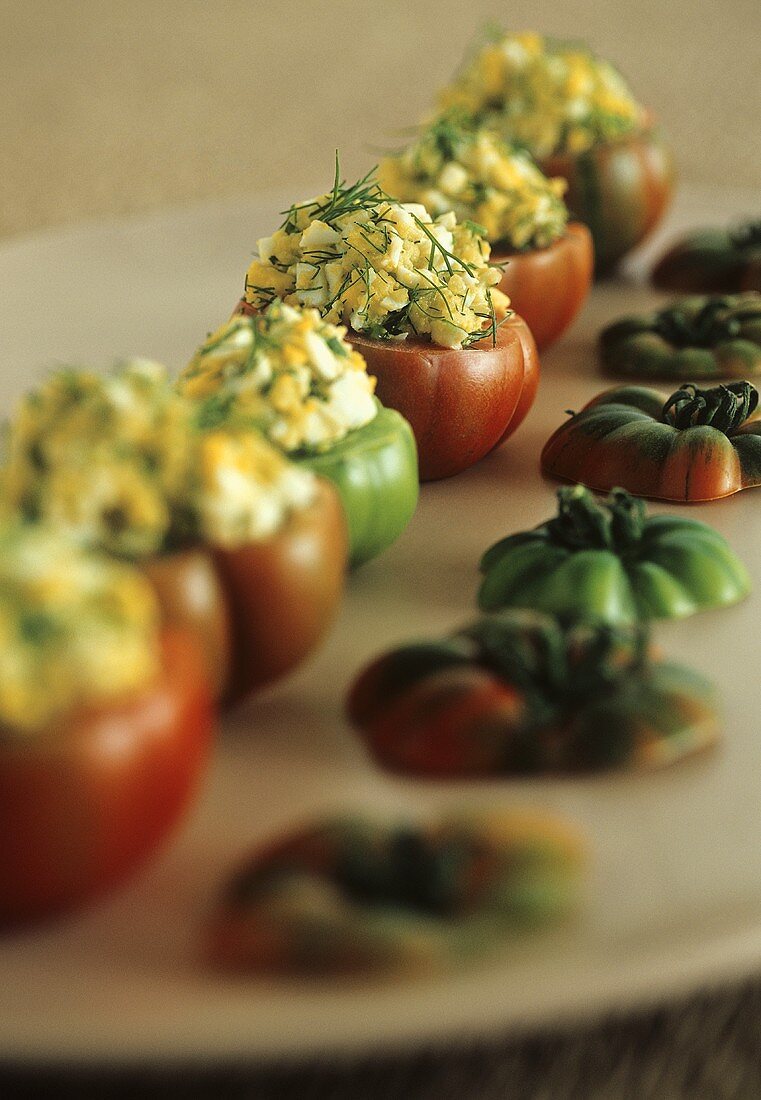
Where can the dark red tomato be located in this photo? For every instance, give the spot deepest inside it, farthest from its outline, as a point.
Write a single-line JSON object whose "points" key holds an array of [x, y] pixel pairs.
{"points": [[696, 445], [460, 403], [85, 803], [456, 722], [282, 593], [548, 286], [260, 609], [620, 189], [530, 380], [191, 597], [713, 261]]}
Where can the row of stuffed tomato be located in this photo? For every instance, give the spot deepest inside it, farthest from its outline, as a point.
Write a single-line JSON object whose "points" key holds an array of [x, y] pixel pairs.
{"points": [[94, 789]]}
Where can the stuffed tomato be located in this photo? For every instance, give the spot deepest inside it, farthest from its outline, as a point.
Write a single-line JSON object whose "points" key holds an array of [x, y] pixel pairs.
{"points": [[620, 189], [295, 378], [548, 286], [461, 403], [696, 445], [577, 117], [610, 562], [713, 261], [243, 548], [105, 723], [519, 693], [420, 302], [458, 164], [262, 607]]}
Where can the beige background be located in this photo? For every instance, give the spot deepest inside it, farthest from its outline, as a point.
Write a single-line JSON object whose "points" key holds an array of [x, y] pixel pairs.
{"points": [[111, 107]]}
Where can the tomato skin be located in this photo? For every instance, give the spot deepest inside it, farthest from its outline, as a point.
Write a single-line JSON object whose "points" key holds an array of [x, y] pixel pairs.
{"points": [[282, 593], [258, 610], [530, 695], [619, 439], [84, 804], [375, 471], [391, 674], [674, 568], [620, 189], [530, 381], [548, 286], [190, 596], [460, 403], [471, 880], [700, 337], [462, 721]]}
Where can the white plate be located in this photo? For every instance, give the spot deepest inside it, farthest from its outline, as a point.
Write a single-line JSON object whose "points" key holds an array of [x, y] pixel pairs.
{"points": [[673, 896]]}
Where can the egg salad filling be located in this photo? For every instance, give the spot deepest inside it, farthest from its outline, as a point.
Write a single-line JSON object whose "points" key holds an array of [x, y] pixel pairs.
{"points": [[287, 371], [457, 165], [383, 268], [120, 462], [76, 628], [548, 96], [244, 488]]}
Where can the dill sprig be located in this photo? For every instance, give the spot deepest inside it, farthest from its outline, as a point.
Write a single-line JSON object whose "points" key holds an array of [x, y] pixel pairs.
{"points": [[367, 195], [342, 199]]}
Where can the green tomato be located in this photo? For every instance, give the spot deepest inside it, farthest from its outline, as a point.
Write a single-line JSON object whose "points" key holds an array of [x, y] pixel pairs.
{"points": [[375, 471], [694, 339], [608, 562]]}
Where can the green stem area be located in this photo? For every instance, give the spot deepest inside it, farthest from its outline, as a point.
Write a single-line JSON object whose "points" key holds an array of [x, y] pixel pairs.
{"points": [[722, 407], [712, 324], [555, 664], [584, 523]]}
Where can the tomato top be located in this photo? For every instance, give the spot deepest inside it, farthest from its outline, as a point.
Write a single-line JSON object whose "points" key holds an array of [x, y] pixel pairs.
{"points": [[609, 561], [700, 337], [76, 628], [695, 445], [352, 894], [518, 692]]}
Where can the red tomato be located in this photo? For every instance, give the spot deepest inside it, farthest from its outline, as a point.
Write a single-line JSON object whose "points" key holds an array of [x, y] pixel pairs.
{"points": [[461, 404], [260, 609], [547, 286], [191, 597], [83, 804], [620, 189], [458, 722], [530, 379], [282, 593]]}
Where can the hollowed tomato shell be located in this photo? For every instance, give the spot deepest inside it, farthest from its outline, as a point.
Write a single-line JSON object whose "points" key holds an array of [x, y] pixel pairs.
{"points": [[283, 593], [460, 403], [260, 609], [620, 189], [548, 286]]}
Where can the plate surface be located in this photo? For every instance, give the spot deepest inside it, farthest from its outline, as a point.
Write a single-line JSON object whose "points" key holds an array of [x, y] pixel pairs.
{"points": [[673, 896]]}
